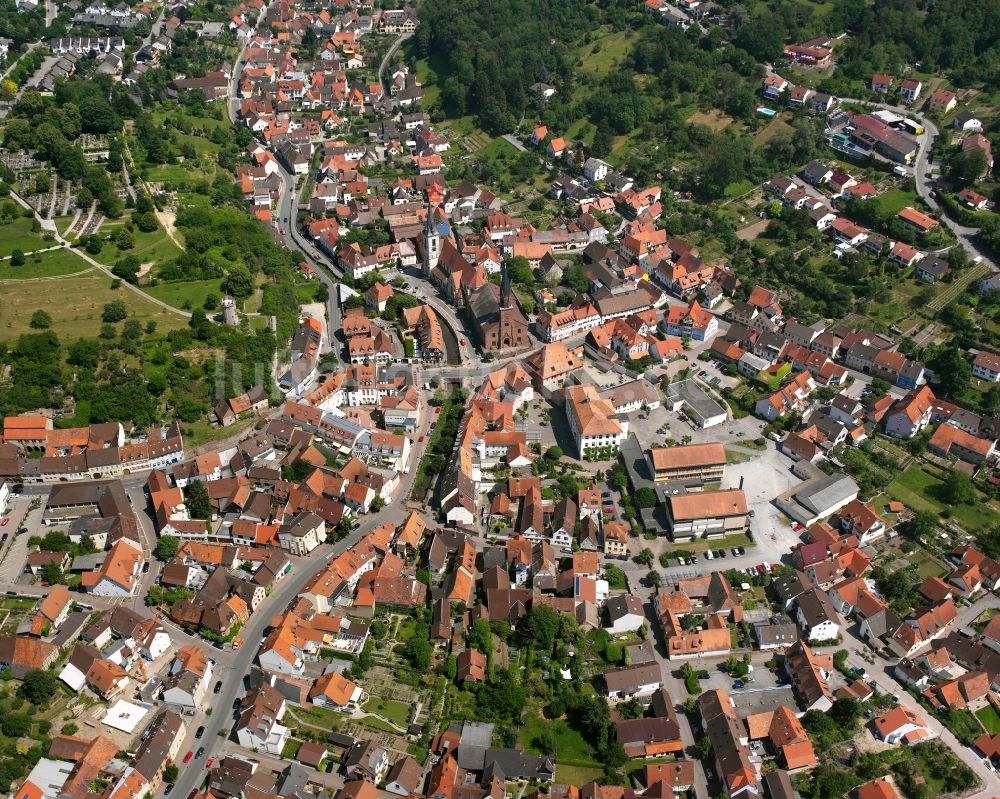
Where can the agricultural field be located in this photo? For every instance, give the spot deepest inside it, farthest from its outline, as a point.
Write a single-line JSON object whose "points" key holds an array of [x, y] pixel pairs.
{"points": [[75, 303]]}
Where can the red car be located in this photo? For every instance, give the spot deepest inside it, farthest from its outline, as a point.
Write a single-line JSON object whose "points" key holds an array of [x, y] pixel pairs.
{"points": [[4, 522], [463, 342], [188, 756], [437, 409], [208, 763], [420, 440]]}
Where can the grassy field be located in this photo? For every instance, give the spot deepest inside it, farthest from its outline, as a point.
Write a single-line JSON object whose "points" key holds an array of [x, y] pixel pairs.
{"points": [[18, 236], [45, 264], [397, 712], [203, 431], [916, 488], [990, 719], [75, 305], [895, 200], [577, 775], [714, 119], [156, 246], [770, 130], [188, 291], [606, 51], [499, 147], [571, 747]]}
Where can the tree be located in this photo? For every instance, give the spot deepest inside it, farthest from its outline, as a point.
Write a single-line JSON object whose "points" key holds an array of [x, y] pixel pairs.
{"points": [[632, 709], [51, 573], [39, 686], [40, 320], [957, 489], [952, 373], [418, 649], [539, 626], [147, 222], [451, 667], [124, 240], [166, 547], [17, 258], [846, 712], [545, 741], [170, 773], [653, 578], [645, 497], [924, 522], [554, 453], [55, 541], [377, 504], [114, 311], [15, 725], [704, 745], [197, 500], [645, 557], [239, 282], [481, 636]]}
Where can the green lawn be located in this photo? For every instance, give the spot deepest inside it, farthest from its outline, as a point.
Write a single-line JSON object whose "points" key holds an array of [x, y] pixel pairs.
{"points": [[18, 236], [576, 775], [990, 719], [156, 247], [499, 146], [44, 264], [570, 746], [397, 712], [185, 291], [895, 200], [916, 487], [203, 431], [605, 51]]}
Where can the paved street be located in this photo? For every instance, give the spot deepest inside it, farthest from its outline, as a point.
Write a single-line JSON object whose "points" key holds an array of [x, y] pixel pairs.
{"points": [[881, 671]]}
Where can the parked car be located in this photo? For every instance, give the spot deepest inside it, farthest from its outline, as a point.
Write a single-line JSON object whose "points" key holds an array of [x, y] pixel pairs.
{"points": [[200, 731], [168, 788], [187, 758], [200, 752], [218, 687], [5, 521], [738, 684]]}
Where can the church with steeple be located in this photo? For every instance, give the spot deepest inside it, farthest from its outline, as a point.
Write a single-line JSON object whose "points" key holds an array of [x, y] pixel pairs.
{"points": [[495, 317], [432, 242]]}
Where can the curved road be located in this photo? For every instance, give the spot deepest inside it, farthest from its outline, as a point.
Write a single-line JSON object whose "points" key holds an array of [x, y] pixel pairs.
{"points": [[388, 56], [50, 227], [924, 185]]}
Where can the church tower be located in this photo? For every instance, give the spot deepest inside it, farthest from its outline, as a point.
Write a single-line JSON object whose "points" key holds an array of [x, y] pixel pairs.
{"points": [[432, 242]]}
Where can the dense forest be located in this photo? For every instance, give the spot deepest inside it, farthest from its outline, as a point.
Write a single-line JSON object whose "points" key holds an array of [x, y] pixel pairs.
{"points": [[490, 54], [960, 37]]}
